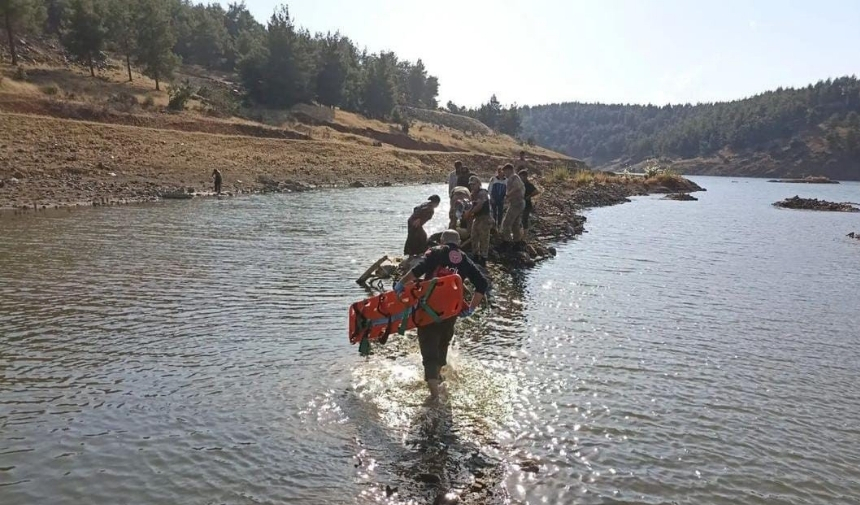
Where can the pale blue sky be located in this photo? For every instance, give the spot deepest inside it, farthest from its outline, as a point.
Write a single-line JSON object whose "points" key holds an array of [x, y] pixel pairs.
{"points": [[628, 51]]}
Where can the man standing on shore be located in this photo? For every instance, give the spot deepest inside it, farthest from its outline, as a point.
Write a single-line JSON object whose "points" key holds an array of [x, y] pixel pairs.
{"points": [[435, 338], [497, 196], [479, 214], [531, 191], [512, 223]]}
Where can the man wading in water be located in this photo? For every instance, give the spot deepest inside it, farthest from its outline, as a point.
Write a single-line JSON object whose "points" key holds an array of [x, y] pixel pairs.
{"points": [[217, 175], [416, 237], [435, 338]]}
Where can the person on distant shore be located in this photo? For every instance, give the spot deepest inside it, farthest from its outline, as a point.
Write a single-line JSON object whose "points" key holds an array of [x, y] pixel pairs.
{"points": [[482, 221], [531, 192], [218, 179], [416, 236], [497, 189], [435, 338], [512, 223]]}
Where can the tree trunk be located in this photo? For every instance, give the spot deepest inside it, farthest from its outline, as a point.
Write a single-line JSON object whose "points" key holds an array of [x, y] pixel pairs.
{"points": [[128, 64], [157, 88], [11, 40], [92, 67]]}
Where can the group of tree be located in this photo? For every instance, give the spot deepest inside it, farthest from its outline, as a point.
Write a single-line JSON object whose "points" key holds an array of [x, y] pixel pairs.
{"points": [[278, 63], [502, 119], [602, 133]]}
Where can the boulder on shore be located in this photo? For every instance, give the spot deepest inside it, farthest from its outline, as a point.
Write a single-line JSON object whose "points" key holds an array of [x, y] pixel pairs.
{"points": [[681, 197], [815, 204]]}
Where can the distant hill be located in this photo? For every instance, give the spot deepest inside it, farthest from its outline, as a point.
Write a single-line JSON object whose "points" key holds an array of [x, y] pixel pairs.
{"points": [[813, 130]]}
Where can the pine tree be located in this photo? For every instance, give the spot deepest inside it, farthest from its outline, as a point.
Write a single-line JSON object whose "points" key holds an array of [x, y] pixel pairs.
{"points": [[155, 41], [20, 16], [338, 64], [416, 80], [380, 86], [55, 12], [84, 31], [289, 67], [121, 29]]}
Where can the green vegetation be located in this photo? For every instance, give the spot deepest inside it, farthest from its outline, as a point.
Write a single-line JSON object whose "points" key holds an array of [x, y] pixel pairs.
{"points": [[787, 117], [494, 115], [85, 33], [18, 17], [279, 64]]}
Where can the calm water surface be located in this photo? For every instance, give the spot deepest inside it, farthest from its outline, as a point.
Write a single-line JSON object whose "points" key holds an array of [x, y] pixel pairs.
{"points": [[196, 352]]}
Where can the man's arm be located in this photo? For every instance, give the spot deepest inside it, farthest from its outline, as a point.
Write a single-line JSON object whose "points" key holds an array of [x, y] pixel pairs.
{"points": [[478, 280]]}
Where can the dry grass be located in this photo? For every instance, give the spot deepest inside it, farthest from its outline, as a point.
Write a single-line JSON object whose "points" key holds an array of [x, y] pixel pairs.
{"points": [[666, 178]]}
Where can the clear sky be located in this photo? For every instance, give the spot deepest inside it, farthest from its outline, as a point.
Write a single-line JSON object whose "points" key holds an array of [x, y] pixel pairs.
{"points": [[627, 51]]}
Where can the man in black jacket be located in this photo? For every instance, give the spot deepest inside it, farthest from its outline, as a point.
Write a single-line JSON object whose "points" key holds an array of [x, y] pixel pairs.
{"points": [[435, 338]]}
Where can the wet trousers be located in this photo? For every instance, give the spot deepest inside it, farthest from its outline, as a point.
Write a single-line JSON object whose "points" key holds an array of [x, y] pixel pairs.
{"points": [[512, 224], [481, 227], [434, 340], [498, 207]]}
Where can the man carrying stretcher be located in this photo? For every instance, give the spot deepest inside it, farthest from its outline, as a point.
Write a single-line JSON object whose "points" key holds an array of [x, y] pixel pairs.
{"points": [[434, 339]]}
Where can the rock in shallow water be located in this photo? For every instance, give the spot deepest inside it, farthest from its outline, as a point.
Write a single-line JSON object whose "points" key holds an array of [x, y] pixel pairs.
{"points": [[815, 204], [681, 197]]}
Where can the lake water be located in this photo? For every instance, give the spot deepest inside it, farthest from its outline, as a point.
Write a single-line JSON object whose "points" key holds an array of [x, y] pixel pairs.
{"points": [[196, 352]]}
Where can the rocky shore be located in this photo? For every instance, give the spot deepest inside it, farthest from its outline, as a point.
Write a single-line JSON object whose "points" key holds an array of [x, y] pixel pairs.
{"points": [[799, 203], [558, 209]]}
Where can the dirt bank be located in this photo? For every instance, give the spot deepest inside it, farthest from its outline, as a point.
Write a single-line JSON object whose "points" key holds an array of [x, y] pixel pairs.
{"points": [[48, 162]]}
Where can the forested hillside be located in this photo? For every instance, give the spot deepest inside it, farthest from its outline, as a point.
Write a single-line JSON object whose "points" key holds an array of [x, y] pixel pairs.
{"points": [[279, 64], [815, 129]]}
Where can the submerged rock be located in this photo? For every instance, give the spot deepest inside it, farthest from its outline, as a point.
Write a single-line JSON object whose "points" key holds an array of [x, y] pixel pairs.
{"points": [[429, 478], [807, 180], [854, 235], [681, 197], [815, 204]]}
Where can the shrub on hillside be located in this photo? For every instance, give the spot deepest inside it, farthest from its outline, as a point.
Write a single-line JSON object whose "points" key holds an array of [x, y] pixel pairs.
{"points": [[50, 89], [148, 102], [559, 174], [20, 74], [122, 101], [179, 95], [220, 102]]}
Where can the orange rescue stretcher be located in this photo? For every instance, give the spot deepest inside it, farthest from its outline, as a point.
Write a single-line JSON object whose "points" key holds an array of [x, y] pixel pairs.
{"points": [[420, 304]]}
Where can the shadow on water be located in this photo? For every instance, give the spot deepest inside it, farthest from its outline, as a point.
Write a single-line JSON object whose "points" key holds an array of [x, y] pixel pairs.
{"points": [[432, 451]]}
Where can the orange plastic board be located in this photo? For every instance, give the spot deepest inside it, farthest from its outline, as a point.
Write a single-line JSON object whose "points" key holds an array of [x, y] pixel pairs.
{"points": [[383, 315]]}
